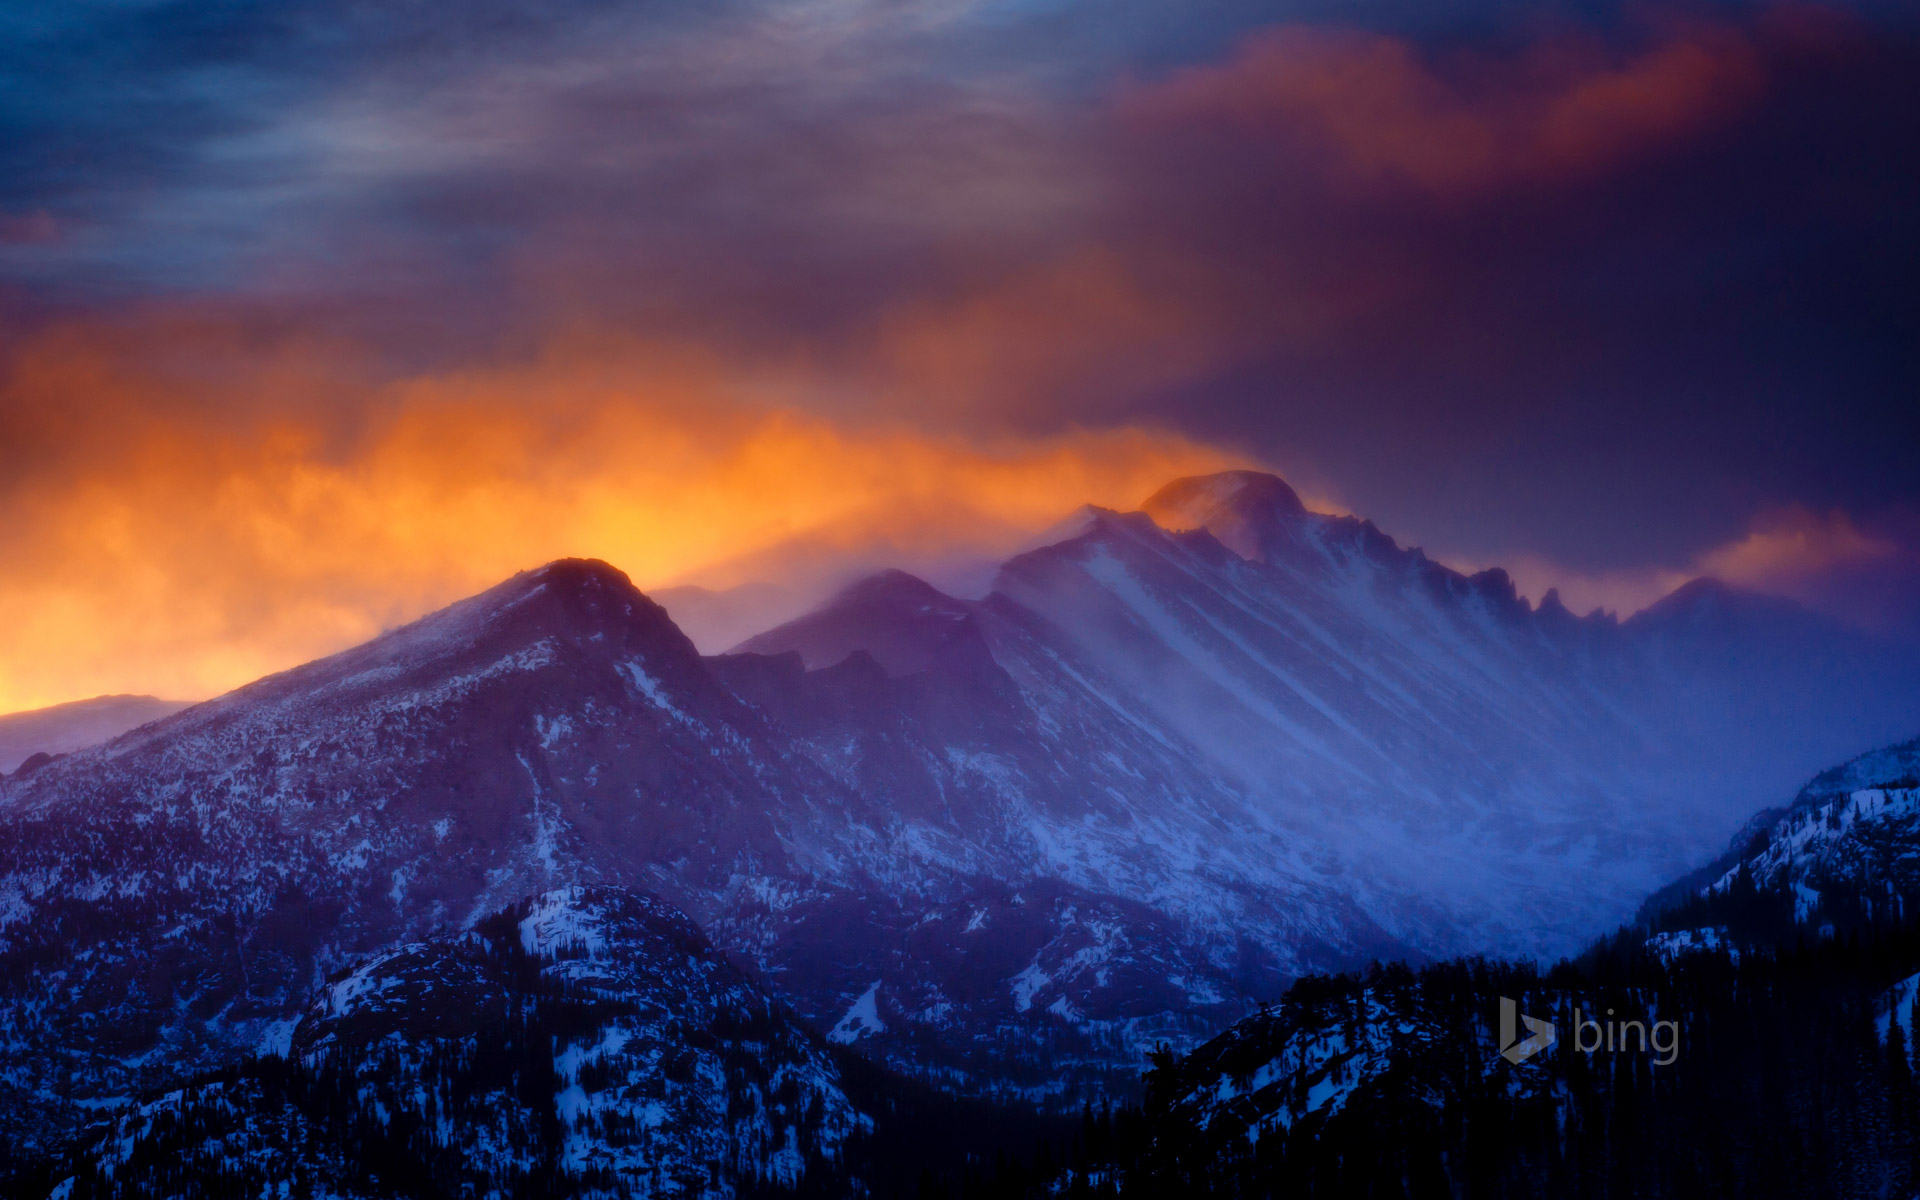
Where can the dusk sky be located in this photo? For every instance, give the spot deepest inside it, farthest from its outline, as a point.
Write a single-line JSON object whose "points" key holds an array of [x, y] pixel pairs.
{"points": [[316, 315]]}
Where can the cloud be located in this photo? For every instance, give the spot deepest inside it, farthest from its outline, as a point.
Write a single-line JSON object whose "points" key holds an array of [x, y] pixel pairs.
{"points": [[1549, 294], [1866, 572], [642, 160], [185, 534], [1084, 335], [1380, 109], [1790, 544], [1588, 298]]}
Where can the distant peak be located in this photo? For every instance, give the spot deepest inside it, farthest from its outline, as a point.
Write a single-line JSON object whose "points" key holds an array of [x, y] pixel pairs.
{"points": [[1245, 510], [903, 621], [1695, 595], [1708, 600], [892, 584]]}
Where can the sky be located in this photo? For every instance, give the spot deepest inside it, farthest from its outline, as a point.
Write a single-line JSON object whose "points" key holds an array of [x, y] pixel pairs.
{"points": [[317, 314]]}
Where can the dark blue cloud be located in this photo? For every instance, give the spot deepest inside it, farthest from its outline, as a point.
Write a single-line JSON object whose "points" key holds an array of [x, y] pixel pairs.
{"points": [[1614, 368], [1621, 369]]}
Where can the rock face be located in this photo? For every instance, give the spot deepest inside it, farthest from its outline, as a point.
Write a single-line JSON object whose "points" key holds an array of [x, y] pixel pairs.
{"points": [[589, 1042], [1004, 844]]}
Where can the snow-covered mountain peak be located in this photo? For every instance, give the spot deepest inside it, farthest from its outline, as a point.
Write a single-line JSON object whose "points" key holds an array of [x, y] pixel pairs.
{"points": [[580, 598], [1200, 498], [1248, 511], [555, 623]]}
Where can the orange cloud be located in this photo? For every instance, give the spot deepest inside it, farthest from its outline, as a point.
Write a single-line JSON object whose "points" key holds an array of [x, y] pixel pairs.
{"points": [[181, 531], [1380, 110], [1790, 544], [1091, 329]]}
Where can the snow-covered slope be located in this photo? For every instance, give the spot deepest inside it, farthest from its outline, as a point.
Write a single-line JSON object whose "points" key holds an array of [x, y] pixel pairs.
{"points": [[1845, 854], [1890, 767], [1862, 846], [586, 1043], [1347, 1045]]}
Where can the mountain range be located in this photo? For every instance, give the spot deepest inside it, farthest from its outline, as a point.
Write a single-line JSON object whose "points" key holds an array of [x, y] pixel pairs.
{"points": [[1167, 764]]}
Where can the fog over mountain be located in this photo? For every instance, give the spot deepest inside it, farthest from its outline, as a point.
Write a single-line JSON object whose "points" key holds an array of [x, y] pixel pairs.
{"points": [[63, 728]]}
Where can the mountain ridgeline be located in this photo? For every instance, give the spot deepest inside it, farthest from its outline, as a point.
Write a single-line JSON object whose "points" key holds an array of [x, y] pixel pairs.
{"points": [[1003, 847]]}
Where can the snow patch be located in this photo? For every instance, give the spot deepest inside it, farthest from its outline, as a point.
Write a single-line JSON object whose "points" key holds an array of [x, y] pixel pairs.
{"points": [[861, 1020], [558, 923], [654, 691], [1026, 983], [276, 1040]]}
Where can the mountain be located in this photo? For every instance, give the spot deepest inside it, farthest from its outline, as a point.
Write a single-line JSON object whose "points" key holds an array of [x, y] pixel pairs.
{"points": [[1397, 1061], [1424, 745], [904, 623], [1770, 1054], [1843, 856], [65, 728], [1005, 845], [589, 1042], [169, 900]]}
